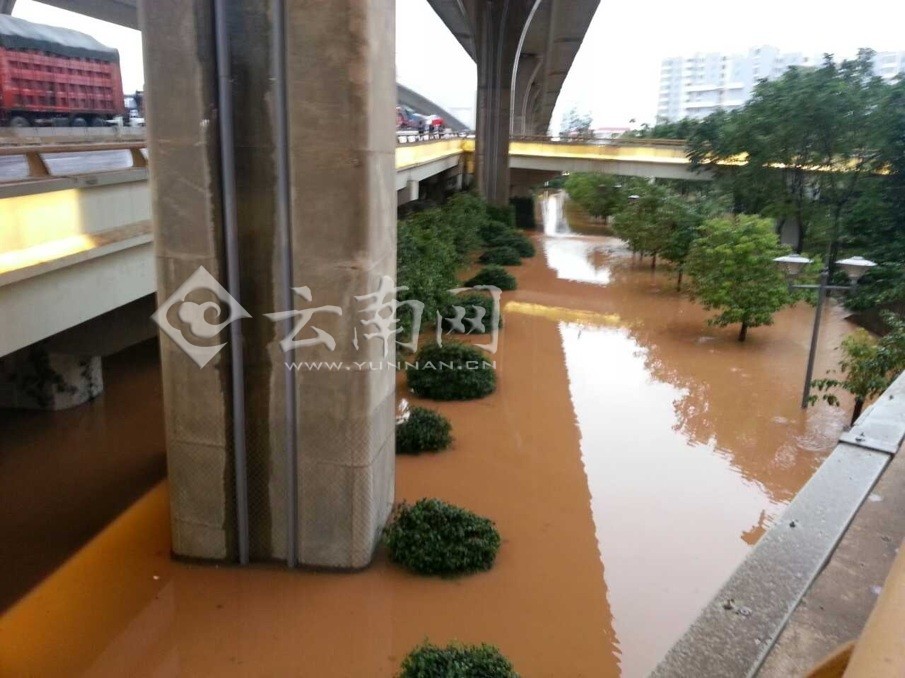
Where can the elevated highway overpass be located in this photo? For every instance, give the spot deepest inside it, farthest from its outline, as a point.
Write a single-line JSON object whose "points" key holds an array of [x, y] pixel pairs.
{"points": [[77, 245]]}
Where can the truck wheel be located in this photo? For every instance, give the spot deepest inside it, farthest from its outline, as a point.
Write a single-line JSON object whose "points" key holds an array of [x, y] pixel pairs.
{"points": [[79, 121], [19, 121], [98, 121]]}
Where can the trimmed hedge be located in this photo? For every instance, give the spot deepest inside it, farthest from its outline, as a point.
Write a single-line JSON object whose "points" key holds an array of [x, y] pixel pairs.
{"points": [[517, 241], [493, 275], [456, 661], [426, 264], [468, 302], [503, 255], [505, 214], [423, 431], [454, 371], [493, 229], [432, 537], [465, 215]]}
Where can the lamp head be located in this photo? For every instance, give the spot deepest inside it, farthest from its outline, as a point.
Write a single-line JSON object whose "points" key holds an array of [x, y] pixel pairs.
{"points": [[855, 267], [792, 264]]}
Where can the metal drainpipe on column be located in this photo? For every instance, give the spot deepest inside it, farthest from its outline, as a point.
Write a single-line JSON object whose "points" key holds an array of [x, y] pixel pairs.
{"points": [[283, 207], [230, 231]]}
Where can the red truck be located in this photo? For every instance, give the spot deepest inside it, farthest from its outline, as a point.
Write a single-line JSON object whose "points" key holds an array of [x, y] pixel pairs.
{"points": [[56, 76]]}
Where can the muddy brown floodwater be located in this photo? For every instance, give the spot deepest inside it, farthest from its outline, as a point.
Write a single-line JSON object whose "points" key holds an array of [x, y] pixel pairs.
{"points": [[631, 457]]}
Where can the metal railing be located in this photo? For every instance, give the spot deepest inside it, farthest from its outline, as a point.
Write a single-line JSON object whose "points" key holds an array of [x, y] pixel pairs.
{"points": [[33, 149], [595, 141]]}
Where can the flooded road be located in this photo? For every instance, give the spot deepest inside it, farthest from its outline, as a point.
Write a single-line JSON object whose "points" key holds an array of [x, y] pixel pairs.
{"points": [[631, 457]]}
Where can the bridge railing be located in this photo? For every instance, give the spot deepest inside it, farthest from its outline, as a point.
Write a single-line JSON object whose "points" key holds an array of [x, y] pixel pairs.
{"points": [[595, 141], [33, 149]]}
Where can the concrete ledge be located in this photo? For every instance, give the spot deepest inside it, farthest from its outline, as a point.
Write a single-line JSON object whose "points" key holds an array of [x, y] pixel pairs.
{"points": [[55, 295], [14, 189], [19, 265]]}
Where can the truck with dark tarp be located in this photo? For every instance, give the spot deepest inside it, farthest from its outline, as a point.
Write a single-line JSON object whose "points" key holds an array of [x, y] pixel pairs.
{"points": [[56, 76]]}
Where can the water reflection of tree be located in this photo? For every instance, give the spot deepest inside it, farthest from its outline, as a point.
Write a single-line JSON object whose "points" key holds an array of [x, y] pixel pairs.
{"points": [[734, 408], [753, 534], [736, 413]]}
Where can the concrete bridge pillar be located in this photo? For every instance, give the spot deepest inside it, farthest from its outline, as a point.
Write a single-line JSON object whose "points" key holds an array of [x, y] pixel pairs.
{"points": [[316, 446], [36, 378], [498, 27]]}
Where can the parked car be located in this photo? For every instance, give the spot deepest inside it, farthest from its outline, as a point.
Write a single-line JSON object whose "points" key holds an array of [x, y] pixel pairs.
{"points": [[407, 119]]}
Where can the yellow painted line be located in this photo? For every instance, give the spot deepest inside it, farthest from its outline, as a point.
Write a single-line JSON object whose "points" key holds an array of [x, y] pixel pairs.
{"points": [[560, 314], [412, 155]]}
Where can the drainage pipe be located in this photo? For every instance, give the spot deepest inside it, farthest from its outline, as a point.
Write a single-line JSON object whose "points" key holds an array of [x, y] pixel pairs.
{"points": [[284, 244], [231, 237]]}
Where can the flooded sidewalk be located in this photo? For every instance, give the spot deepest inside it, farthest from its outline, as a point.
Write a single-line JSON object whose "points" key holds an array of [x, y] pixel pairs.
{"points": [[630, 457]]}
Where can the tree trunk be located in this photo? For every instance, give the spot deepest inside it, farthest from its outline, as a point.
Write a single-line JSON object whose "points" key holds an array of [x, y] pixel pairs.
{"points": [[743, 332], [653, 262], [679, 281], [859, 405]]}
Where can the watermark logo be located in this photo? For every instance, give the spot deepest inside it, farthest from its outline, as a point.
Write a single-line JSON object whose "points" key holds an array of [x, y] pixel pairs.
{"points": [[189, 320], [194, 315]]}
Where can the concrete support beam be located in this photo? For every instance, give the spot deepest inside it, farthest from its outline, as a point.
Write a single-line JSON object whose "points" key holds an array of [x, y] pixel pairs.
{"points": [[412, 190], [339, 66], [121, 12], [525, 79], [499, 29], [36, 379]]}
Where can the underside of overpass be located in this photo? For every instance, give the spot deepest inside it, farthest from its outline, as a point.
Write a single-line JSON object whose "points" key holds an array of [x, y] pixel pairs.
{"points": [[121, 12], [523, 50]]}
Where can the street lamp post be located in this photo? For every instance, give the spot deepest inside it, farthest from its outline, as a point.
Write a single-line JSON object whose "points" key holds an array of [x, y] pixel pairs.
{"points": [[792, 265]]}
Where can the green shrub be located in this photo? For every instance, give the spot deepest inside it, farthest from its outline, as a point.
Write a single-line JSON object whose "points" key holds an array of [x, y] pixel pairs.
{"points": [[517, 241], [432, 537], [473, 322], [505, 214], [423, 431], [453, 371], [492, 229], [493, 275], [503, 255], [456, 661], [427, 262], [465, 213]]}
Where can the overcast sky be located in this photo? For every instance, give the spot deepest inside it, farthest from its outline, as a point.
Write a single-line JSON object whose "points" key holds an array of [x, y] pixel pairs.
{"points": [[615, 76]]}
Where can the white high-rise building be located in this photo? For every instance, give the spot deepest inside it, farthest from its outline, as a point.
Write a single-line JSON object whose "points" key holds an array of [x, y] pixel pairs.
{"points": [[696, 86], [889, 65]]}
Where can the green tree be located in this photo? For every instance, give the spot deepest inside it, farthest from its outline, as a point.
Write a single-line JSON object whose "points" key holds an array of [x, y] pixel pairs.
{"points": [[875, 224], [678, 129], [868, 365], [601, 195], [647, 219], [687, 216], [800, 146], [732, 269]]}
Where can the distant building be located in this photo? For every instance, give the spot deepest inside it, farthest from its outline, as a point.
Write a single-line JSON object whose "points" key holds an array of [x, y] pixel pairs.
{"points": [[889, 65], [696, 86]]}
